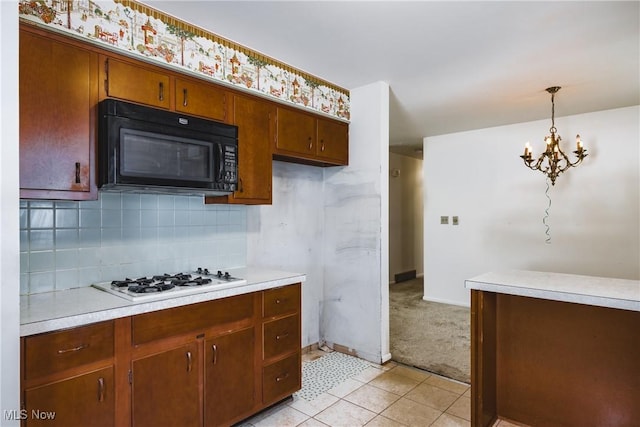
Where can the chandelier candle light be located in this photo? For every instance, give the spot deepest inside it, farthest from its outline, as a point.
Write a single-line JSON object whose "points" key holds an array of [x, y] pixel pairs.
{"points": [[553, 161]]}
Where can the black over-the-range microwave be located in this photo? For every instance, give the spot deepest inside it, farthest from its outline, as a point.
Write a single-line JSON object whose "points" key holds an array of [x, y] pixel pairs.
{"points": [[146, 149]]}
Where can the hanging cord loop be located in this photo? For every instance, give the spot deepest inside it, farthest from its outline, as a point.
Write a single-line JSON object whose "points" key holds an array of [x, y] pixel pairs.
{"points": [[545, 219]]}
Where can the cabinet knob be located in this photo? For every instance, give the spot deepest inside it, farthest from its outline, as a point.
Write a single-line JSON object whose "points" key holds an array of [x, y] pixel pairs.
{"points": [[279, 337]]}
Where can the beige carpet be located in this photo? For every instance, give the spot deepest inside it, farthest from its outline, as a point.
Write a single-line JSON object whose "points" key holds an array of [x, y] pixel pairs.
{"points": [[430, 336]]}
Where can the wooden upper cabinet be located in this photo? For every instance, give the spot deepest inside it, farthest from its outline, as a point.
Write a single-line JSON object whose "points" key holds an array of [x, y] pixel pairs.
{"points": [[296, 132], [306, 138], [58, 93], [200, 99], [256, 131], [333, 141], [137, 83]]}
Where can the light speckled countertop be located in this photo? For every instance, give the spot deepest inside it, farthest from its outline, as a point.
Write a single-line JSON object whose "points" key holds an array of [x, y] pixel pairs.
{"points": [[589, 290], [51, 311]]}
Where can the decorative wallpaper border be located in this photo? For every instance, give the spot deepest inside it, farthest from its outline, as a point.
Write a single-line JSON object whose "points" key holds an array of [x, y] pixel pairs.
{"points": [[139, 29]]}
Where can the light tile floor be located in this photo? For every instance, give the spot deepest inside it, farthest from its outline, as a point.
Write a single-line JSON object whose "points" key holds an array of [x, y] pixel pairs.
{"points": [[389, 395]]}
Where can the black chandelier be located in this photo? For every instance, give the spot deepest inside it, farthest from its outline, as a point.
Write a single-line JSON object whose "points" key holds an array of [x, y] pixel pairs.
{"points": [[553, 161]]}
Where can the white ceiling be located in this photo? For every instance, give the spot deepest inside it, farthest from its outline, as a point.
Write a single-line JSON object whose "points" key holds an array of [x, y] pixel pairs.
{"points": [[451, 66]]}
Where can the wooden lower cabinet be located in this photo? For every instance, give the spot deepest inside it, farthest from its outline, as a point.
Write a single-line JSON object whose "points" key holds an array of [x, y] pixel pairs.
{"points": [[229, 366], [280, 378], [213, 363], [281, 349], [165, 388], [86, 399]]}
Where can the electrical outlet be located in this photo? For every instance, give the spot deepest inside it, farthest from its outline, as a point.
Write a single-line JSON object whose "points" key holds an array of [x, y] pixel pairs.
{"points": [[454, 220], [444, 220]]}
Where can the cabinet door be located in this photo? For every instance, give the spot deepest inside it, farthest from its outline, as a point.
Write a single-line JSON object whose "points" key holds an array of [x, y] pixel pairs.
{"points": [[255, 121], [296, 133], [137, 84], [333, 142], [58, 93], [82, 400], [229, 377], [200, 99], [166, 388]]}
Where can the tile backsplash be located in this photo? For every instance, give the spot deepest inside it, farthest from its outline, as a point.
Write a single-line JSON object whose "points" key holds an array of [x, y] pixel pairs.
{"points": [[67, 244]]}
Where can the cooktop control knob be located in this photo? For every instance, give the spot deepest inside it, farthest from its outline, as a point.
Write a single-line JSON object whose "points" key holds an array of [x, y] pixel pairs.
{"points": [[219, 273], [227, 275]]}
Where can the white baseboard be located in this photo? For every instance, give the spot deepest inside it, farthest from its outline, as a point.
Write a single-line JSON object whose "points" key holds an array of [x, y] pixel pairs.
{"points": [[444, 301]]}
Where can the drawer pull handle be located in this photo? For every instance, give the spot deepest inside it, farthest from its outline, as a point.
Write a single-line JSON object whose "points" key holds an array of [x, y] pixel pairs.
{"points": [[282, 377], [184, 97], [161, 91], [69, 350], [100, 389], [278, 337], [215, 353], [322, 145], [310, 143], [77, 172], [188, 361]]}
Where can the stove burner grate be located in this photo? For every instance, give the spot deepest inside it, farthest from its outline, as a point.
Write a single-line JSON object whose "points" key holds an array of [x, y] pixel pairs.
{"points": [[131, 282], [145, 289], [198, 281]]}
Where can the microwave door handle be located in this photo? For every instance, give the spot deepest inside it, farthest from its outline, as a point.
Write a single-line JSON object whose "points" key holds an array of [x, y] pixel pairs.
{"points": [[220, 163]]}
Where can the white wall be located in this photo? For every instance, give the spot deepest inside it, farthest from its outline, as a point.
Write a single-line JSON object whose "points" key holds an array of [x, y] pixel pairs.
{"points": [[405, 215], [288, 235], [330, 223], [356, 302], [9, 242], [477, 175]]}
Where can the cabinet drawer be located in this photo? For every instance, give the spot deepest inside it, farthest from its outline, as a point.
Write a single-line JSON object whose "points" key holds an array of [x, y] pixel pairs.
{"points": [[280, 301], [281, 379], [189, 318], [281, 336], [56, 351]]}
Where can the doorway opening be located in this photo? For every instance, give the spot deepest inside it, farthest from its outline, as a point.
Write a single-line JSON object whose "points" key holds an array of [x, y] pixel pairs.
{"points": [[428, 335]]}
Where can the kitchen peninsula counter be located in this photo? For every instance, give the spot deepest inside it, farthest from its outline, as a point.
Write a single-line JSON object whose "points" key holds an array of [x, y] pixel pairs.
{"points": [[57, 310], [554, 349]]}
